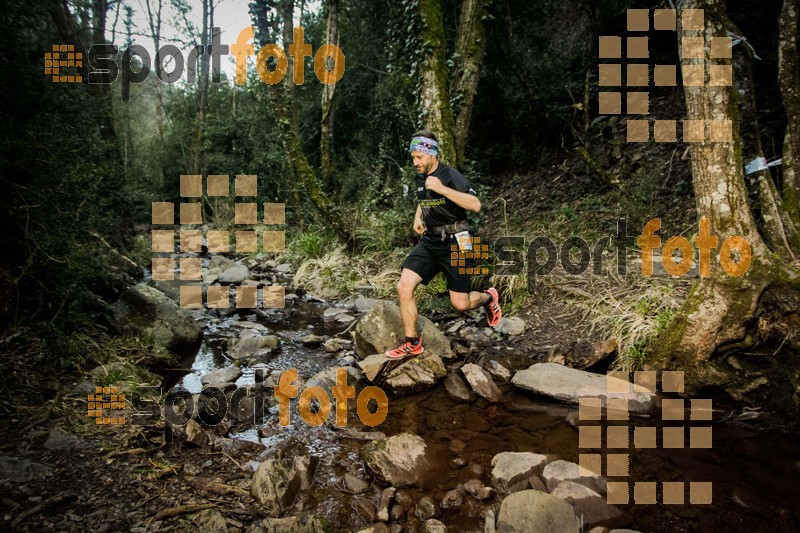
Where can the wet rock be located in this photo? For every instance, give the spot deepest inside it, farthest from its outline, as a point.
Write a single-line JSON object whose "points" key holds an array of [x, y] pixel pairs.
{"points": [[426, 508], [404, 499], [291, 524], [532, 511], [82, 389], [210, 520], [327, 379], [195, 435], [434, 526], [332, 312], [397, 513], [458, 389], [414, 375], [275, 485], [237, 447], [221, 377], [475, 470], [145, 312], [452, 500], [376, 528], [355, 485], [312, 341], [398, 460], [512, 467], [457, 462], [481, 382], [334, 345], [536, 483], [248, 405], [559, 471], [364, 304], [386, 500], [511, 325], [457, 446], [569, 385], [365, 509], [345, 318], [478, 490], [59, 439], [382, 327], [584, 354], [253, 346], [588, 504], [19, 470], [234, 275], [498, 371]]}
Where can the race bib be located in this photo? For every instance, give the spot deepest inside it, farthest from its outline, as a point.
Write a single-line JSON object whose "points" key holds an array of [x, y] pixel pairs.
{"points": [[464, 241]]}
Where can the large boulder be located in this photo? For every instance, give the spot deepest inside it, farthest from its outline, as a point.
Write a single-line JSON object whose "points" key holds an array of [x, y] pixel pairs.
{"points": [[382, 327], [533, 511], [143, 311], [398, 460], [413, 375], [570, 385]]}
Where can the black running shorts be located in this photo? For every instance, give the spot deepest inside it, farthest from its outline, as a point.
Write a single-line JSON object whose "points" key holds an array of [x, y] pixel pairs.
{"points": [[432, 256]]}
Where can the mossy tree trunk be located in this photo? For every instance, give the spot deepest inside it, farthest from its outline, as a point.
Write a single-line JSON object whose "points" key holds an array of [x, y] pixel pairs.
{"points": [[450, 118], [282, 96], [326, 122], [724, 313], [434, 90], [789, 84], [470, 49], [778, 229]]}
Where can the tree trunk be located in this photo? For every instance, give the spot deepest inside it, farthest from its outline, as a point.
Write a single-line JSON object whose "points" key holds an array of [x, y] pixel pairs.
{"points": [[778, 228], [434, 93], [202, 94], [282, 96], [154, 21], [789, 84], [724, 312], [470, 48], [326, 122]]}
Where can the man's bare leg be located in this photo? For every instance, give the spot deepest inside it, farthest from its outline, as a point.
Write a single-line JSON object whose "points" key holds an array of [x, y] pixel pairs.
{"points": [[408, 306], [463, 301]]}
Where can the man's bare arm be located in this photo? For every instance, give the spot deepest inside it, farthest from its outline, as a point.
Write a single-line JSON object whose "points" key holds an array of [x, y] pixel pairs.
{"points": [[468, 201]]}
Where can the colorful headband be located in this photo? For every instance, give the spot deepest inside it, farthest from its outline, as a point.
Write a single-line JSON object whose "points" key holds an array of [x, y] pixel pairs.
{"points": [[424, 145]]}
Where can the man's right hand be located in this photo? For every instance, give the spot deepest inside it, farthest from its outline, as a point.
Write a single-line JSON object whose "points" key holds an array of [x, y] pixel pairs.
{"points": [[419, 227]]}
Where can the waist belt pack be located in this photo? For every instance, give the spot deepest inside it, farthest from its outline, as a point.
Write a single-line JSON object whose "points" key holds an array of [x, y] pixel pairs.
{"points": [[448, 229]]}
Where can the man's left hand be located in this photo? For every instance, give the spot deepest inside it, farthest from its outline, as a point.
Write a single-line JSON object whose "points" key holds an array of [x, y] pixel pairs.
{"points": [[432, 183]]}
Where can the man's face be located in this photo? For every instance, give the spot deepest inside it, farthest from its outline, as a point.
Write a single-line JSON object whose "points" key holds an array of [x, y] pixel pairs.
{"points": [[423, 162]]}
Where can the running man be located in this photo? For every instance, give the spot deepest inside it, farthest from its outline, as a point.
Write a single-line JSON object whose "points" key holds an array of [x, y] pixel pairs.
{"points": [[445, 197]]}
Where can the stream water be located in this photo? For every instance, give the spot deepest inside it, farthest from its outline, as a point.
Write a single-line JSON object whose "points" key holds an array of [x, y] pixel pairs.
{"points": [[755, 473]]}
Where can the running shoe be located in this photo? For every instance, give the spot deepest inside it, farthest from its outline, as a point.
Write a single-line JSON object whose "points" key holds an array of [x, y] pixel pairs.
{"points": [[404, 349]]}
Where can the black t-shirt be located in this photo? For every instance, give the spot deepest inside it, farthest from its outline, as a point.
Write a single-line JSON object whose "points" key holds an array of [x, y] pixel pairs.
{"points": [[436, 209]]}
